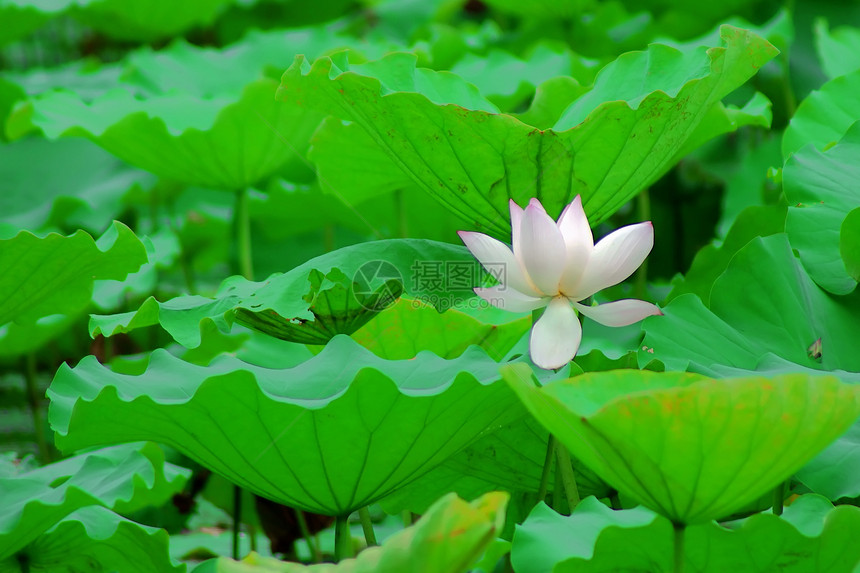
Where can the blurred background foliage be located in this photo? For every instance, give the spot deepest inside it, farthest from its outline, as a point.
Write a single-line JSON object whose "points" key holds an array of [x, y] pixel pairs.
{"points": [[183, 142]]}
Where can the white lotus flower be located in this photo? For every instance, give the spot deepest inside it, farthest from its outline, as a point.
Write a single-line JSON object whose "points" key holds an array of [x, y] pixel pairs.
{"points": [[557, 265]]}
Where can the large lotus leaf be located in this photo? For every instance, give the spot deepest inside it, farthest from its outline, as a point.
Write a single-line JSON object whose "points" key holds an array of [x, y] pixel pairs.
{"points": [[162, 251], [763, 303], [83, 188], [688, 447], [18, 340], [88, 78], [206, 72], [407, 213], [287, 210], [508, 81], [95, 539], [849, 243], [54, 274], [220, 142], [825, 115], [838, 50], [21, 17], [450, 537], [544, 9], [673, 18], [123, 478], [146, 20], [335, 293], [330, 435], [811, 535], [508, 459], [410, 326], [608, 145], [721, 119], [821, 189], [831, 473], [10, 94], [353, 166]]}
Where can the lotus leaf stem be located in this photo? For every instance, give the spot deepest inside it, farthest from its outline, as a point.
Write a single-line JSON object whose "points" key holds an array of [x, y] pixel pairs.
{"points": [[30, 375], [237, 519], [778, 498], [342, 538], [367, 526], [678, 542], [242, 226], [311, 540], [568, 479], [547, 468]]}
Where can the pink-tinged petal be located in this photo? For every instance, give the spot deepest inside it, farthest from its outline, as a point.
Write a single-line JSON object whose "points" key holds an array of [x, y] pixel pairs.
{"points": [[615, 257], [542, 250], [498, 259], [516, 222], [620, 312], [506, 298], [556, 336], [578, 242]]}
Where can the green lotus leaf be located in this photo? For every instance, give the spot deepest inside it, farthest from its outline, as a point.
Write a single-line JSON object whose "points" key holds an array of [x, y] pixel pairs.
{"points": [[11, 464], [411, 326], [54, 274], [83, 189], [207, 72], [21, 17], [551, 98], [10, 94], [544, 9], [821, 188], [95, 538], [837, 49], [330, 435], [353, 167], [832, 472], [450, 537], [824, 116], [335, 293], [88, 78], [764, 302], [456, 146], [615, 20], [220, 142], [722, 119], [509, 459], [122, 478], [17, 340], [146, 20], [405, 213], [287, 210], [162, 251], [691, 448], [849, 243], [508, 81], [809, 536]]}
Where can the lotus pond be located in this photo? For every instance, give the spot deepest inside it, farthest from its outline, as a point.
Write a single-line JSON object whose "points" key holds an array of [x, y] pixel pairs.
{"points": [[436, 286]]}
